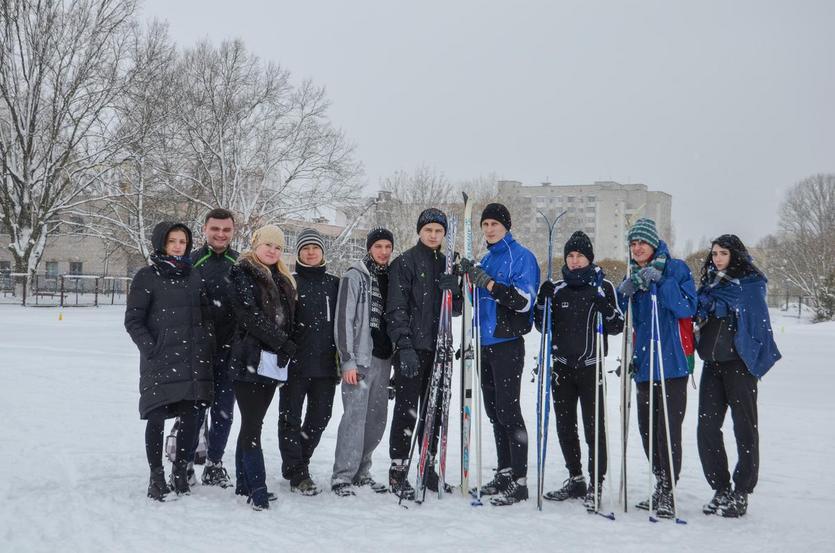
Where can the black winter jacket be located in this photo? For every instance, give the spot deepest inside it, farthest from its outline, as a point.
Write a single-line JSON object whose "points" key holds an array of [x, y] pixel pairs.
{"points": [[316, 349], [716, 340], [167, 316], [574, 322], [264, 306], [214, 269], [413, 307]]}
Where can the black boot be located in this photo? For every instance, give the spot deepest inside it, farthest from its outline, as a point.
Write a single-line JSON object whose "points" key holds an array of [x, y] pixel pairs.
{"points": [[497, 485], [256, 477], [179, 478], [735, 506], [656, 496], [593, 493], [572, 488], [719, 497], [515, 492], [399, 482], [376, 487], [666, 504], [432, 479], [215, 475], [157, 488]]}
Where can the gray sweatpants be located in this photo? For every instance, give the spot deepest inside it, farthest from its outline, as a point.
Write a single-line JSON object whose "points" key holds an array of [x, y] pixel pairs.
{"points": [[363, 423]]}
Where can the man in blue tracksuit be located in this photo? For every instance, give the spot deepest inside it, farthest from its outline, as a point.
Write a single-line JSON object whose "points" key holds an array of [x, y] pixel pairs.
{"points": [[506, 282], [653, 268]]}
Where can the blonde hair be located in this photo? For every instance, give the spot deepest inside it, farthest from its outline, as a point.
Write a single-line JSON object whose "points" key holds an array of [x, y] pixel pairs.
{"points": [[264, 235]]}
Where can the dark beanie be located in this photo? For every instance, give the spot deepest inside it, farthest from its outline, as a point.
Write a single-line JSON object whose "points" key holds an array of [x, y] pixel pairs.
{"points": [[431, 215], [579, 242], [307, 237], [376, 234], [497, 212]]}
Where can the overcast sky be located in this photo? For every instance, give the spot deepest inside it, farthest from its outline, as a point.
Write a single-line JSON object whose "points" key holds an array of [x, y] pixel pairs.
{"points": [[723, 104]]}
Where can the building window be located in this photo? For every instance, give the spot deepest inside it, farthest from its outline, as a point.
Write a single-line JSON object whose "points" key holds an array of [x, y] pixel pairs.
{"points": [[76, 267], [5, 266], [52, 269]]}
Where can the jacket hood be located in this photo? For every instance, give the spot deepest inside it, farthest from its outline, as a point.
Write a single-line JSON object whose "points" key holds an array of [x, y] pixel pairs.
{"points": [[161, 233]]}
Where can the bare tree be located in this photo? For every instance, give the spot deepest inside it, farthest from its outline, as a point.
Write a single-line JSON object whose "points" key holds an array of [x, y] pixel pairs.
{"points": [[60, 72], [246, 139], [804, 252], [404, 196]]}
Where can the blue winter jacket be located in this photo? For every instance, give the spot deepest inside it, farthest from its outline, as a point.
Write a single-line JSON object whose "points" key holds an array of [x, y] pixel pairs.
{"points": [[754, 339], [676, 295], [506, 313]]}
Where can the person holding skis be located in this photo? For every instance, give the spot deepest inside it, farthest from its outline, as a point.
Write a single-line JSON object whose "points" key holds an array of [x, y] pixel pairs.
{"points": [[416, 285], [263, 294], [365, 355], [213, 262], [506, 280], [655, 273], [167, 318], [313, 372], [736, 343], [577, 299]]}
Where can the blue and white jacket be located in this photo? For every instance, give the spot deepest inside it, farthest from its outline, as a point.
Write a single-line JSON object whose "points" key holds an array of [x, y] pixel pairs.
{"points": [[506, 313]]}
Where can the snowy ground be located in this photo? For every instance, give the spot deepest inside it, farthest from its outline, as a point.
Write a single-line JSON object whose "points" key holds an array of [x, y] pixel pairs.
{"points": [[73, 473]]}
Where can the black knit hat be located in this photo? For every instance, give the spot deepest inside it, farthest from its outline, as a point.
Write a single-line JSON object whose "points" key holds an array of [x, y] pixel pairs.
{"points": [[579, 242], [431, 215], [307, 237], [497, 212], [376, 234]]}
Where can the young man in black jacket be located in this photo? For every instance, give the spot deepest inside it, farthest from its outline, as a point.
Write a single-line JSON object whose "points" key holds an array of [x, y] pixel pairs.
{"points": [[416, 285], [576, 300], [312, 374], [213, 261]]}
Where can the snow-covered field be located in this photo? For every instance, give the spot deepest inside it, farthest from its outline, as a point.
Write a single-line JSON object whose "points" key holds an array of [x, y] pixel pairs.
{"points": [[73, 473]]}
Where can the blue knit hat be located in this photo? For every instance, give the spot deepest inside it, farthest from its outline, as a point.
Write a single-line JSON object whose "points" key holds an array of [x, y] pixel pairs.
{"points": [[645, 231]]}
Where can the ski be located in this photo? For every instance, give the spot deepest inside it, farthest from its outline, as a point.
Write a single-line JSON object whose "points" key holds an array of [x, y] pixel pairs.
{"points": [[543, 376], [466, 352]]}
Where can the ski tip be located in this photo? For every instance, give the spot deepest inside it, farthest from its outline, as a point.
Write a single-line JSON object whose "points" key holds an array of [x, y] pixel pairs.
{"points": [[681, 521], [610, 516], [476, 503], [653, 519], [466, 198]]}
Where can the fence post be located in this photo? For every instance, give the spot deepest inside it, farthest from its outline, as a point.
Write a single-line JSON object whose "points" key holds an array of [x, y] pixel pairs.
{"points": [[96, 293], [62, 291], [799, 306], [25, 286]]}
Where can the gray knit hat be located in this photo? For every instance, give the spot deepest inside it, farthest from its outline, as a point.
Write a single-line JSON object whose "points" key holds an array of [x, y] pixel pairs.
{"points": [[644, 230], [307, 237]]}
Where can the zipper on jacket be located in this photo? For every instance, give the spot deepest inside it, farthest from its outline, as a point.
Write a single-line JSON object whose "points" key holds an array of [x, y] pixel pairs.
{"points": [[716, 340], [328, 308]]}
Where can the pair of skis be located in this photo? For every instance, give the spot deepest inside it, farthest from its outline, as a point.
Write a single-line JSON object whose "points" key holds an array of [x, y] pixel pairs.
{"points": [[439, 388]]}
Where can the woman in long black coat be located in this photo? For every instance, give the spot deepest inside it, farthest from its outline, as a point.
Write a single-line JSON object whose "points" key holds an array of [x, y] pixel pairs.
{"points": [[263, 293], [167, 318]]}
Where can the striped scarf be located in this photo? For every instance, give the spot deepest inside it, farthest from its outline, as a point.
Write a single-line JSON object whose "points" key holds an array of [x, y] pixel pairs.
{"points": [[659, 262], [377, 300]]}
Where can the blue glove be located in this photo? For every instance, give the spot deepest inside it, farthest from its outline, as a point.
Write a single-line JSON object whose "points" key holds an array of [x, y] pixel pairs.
{"points": [[627, 288]]}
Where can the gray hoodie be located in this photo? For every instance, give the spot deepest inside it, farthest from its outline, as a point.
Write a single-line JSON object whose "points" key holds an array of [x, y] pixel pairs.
{"points": [[353, 318]]}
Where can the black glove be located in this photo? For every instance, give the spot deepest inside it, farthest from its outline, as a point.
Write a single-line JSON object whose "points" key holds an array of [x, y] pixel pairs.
{"points": [[300, 333], [466, 265], [479, 277], [546, 291], [409, 363], [603, 306], [448, 282], [288, 348]]}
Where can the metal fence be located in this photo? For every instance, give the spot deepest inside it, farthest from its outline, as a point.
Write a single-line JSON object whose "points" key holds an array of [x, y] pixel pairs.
{"points": [[792, 303], [47, 290]]}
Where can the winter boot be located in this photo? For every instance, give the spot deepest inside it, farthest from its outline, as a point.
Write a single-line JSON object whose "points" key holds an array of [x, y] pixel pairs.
{"points": [[399, 482], [589, 500], [179, 478], [215, 475], [366, 480], [157, 488], [656, 496], [735, 506], [666, 504], [719, 497], [497, 485], [572, 488], [432, 479], [515, 492], [256, 478], [305, 487], [343, 489]]}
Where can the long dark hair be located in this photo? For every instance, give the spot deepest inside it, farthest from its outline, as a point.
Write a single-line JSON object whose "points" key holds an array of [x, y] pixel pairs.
{"points": [[740, 265]]}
